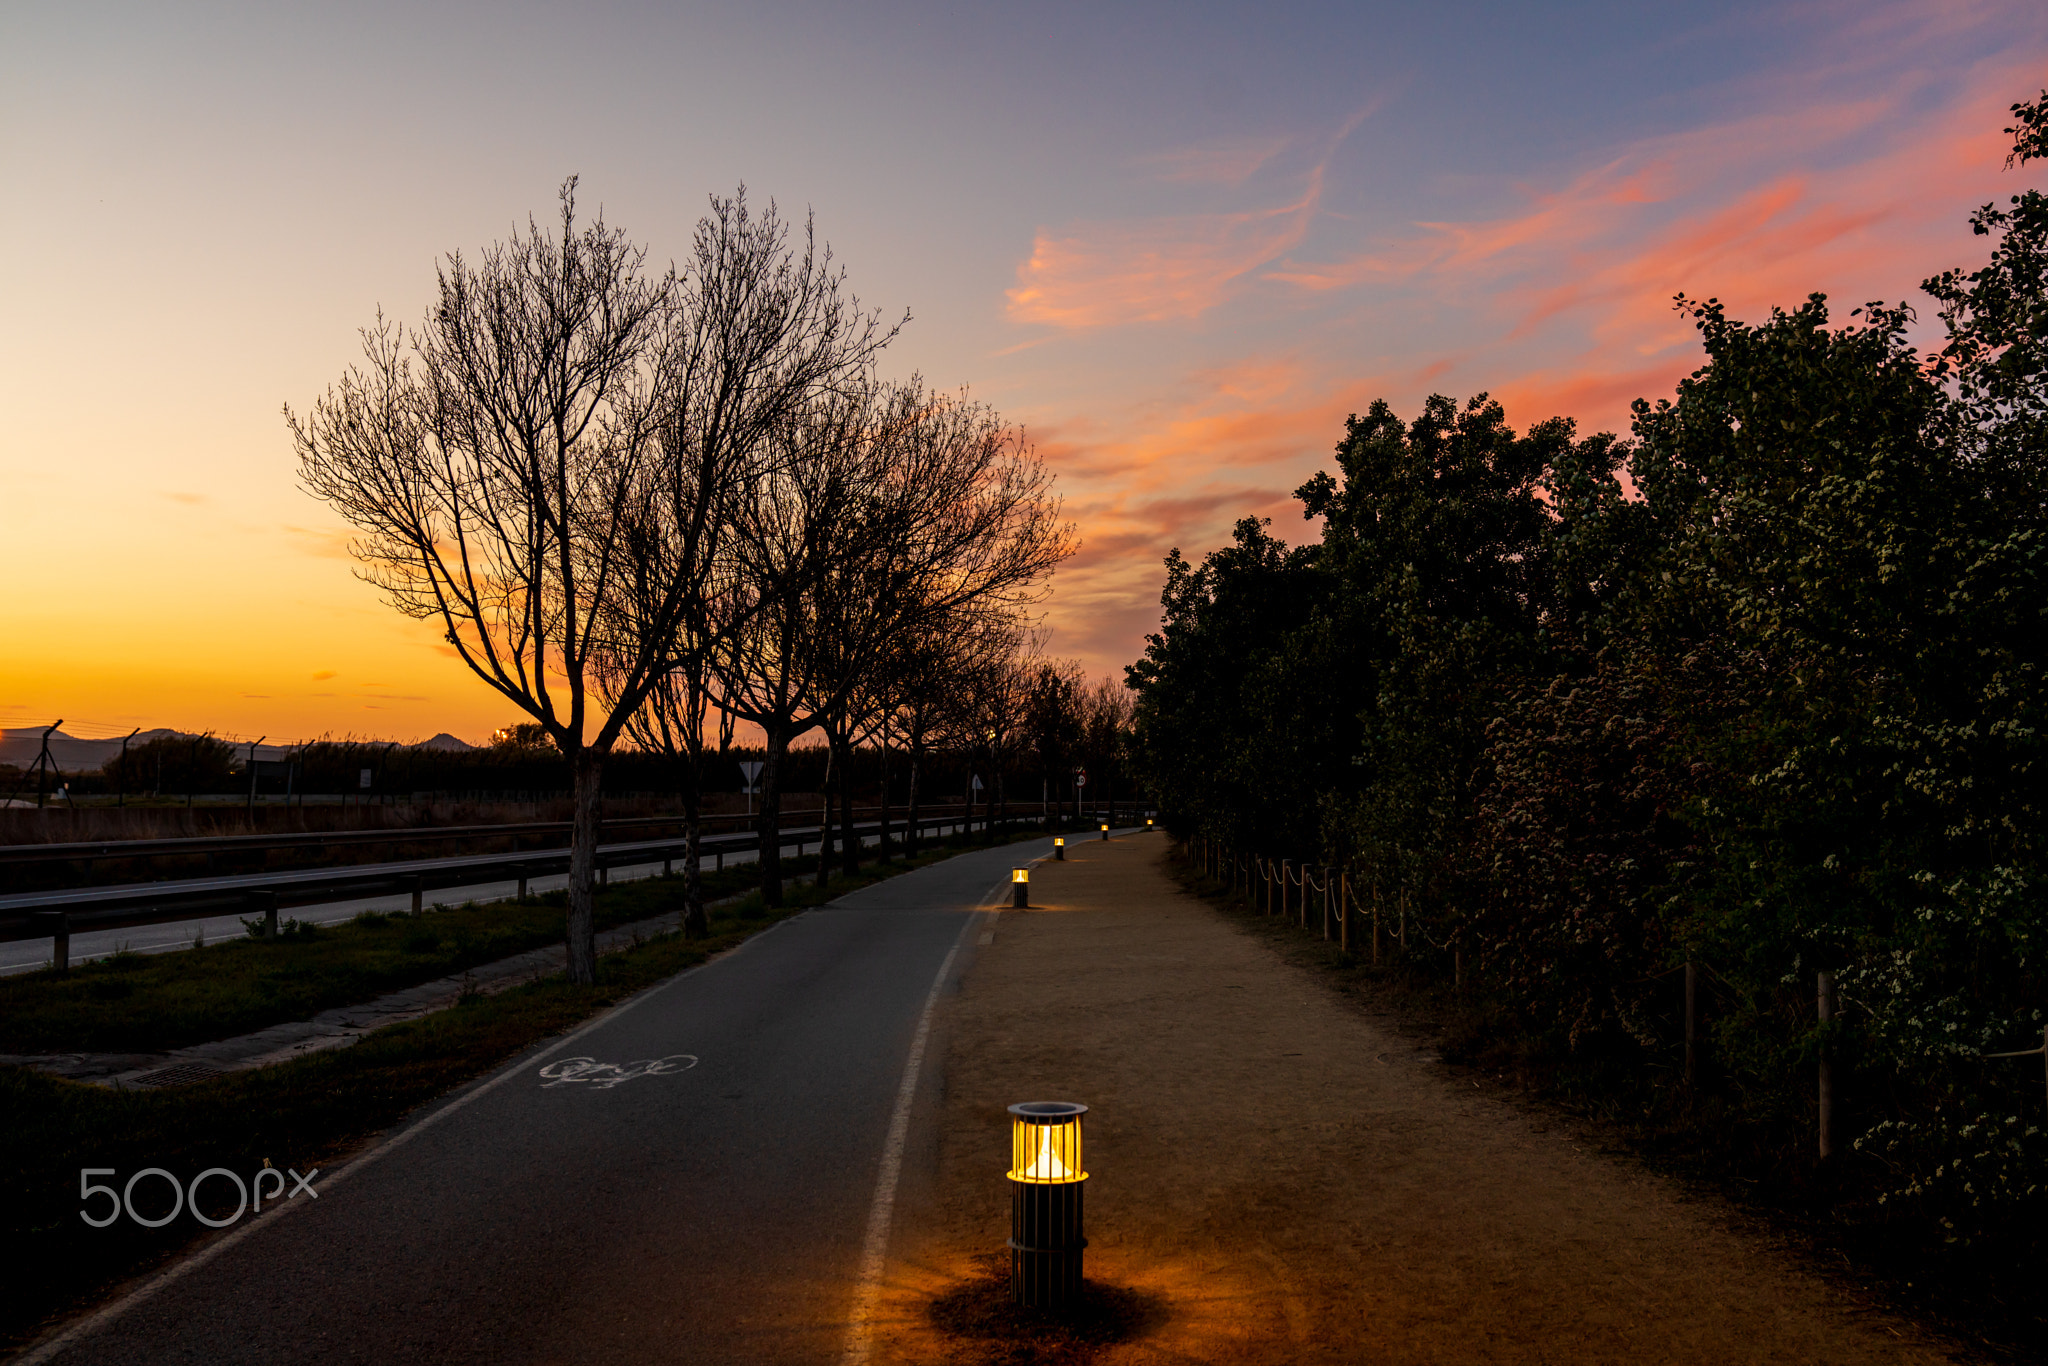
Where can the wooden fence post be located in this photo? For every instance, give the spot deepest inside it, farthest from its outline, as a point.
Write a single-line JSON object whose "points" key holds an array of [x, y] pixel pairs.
{"points": [[1690, 1017], [1375, 922], [1344, 911], [1326, 903], [1825, 1005]]}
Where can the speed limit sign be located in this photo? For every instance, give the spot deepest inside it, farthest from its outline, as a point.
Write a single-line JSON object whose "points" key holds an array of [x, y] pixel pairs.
{"points": [[1080, 777]]}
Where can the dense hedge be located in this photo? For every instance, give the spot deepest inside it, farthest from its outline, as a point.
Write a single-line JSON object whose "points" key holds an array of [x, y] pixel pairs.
{"points": [[1759, 687]]}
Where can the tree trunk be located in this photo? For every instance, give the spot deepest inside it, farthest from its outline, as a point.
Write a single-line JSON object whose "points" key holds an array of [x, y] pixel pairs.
{"points": [[825, 791], [882, 844], [588, 769], [696, 921], [769, 823], [849, 831], [910, 828]]}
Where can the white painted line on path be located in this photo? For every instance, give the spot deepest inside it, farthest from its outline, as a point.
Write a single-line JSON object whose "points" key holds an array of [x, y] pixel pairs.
{"points": [[874, 1255]]}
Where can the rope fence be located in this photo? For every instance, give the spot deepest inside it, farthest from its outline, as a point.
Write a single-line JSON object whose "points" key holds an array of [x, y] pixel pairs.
{"points": [[1281, 888]]}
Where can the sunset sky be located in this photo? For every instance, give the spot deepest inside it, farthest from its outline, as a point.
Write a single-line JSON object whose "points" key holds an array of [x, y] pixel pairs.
{"points": [[1178, 242]]}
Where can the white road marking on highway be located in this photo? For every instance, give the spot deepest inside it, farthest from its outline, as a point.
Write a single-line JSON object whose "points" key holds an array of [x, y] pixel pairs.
{"points": [[101, 1319], [875, 1251], [603, 1076]]}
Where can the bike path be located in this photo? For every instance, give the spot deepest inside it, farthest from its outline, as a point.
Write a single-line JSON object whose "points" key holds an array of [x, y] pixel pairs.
{"points": [[711, 1213]]}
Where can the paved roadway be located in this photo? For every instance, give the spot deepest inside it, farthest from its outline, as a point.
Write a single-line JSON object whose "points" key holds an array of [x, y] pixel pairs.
{"points": [[709, 1215], [28, 955]]}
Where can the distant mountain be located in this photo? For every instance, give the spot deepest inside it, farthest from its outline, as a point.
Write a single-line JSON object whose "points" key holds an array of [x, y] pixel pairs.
{"points": [[70, 753], [74, 755]]}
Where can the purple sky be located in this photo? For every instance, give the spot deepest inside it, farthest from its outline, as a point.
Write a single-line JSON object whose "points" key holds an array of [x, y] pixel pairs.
{"points": [[1178, 243]]}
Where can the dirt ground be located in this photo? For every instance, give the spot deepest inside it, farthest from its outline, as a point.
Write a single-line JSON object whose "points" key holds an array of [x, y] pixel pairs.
{"points": [[1277, 1179]]}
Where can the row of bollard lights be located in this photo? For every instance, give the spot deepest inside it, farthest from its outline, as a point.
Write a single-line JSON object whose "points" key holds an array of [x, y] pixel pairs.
{"points": [[1046, 1175]]}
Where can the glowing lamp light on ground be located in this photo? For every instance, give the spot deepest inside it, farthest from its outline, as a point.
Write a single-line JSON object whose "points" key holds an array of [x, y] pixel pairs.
{"points": [[1059, 848], [1020, 889], [1045, 1203], [1105, 829]]}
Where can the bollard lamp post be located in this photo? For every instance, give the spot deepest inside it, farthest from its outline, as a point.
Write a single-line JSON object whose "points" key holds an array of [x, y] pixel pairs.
{"points": [[1059, 848], [1020, 889], [1045, 1203], [1105, 829]]}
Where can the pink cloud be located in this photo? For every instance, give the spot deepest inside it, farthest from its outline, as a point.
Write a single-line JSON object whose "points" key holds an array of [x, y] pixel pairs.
{"points": [[1559, 306], [1222, 161], [1151, 271], [1172, 268]]}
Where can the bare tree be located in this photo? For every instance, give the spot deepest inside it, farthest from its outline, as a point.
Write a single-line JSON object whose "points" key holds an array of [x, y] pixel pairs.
{"points": [[1056, 721], [799, 514], [541, 466], [999, 693], [761, 335], [899, 510], [1107, 710]]}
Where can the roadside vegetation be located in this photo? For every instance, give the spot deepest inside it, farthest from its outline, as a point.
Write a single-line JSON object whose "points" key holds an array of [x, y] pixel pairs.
{"points": [[146, 1002], [1759, 688], [151, 1002], [312, 1111]]}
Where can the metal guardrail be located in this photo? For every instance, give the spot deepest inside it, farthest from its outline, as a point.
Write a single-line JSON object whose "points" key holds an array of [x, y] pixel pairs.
{"points": [[186, 846], [58, 914]]}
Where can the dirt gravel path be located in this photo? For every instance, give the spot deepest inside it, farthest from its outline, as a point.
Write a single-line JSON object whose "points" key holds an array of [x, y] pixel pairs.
{"points": [[1279, 1179]]}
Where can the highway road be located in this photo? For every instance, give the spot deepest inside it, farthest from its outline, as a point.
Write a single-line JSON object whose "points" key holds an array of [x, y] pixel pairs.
{"points": [[721, 1210], [28, 955]]}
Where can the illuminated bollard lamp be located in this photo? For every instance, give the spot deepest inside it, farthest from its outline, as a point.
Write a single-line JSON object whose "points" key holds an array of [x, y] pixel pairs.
{"points": [[1059, 848], [1020, 889], [1105, 829], [1045, 1203]]}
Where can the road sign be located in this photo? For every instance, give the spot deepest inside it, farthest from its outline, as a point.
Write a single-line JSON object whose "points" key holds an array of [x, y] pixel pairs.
{"points": [[1080, 777], [363, 779], [751, 768]]}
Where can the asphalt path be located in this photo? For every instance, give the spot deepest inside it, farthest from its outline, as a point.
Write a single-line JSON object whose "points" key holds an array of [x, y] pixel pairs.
{"points": [[717, 1212], [171, 936]]}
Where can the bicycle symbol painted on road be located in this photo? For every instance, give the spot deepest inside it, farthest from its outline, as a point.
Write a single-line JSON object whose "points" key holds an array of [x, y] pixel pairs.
{"points": [[605, 1075]]}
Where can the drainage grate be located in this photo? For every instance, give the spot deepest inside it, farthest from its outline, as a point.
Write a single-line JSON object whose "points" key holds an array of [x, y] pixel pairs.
{"points": [[181, 1074]]}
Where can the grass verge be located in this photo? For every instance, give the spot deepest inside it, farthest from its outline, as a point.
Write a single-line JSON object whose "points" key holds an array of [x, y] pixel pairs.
{"points": [[302, 1114]]}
